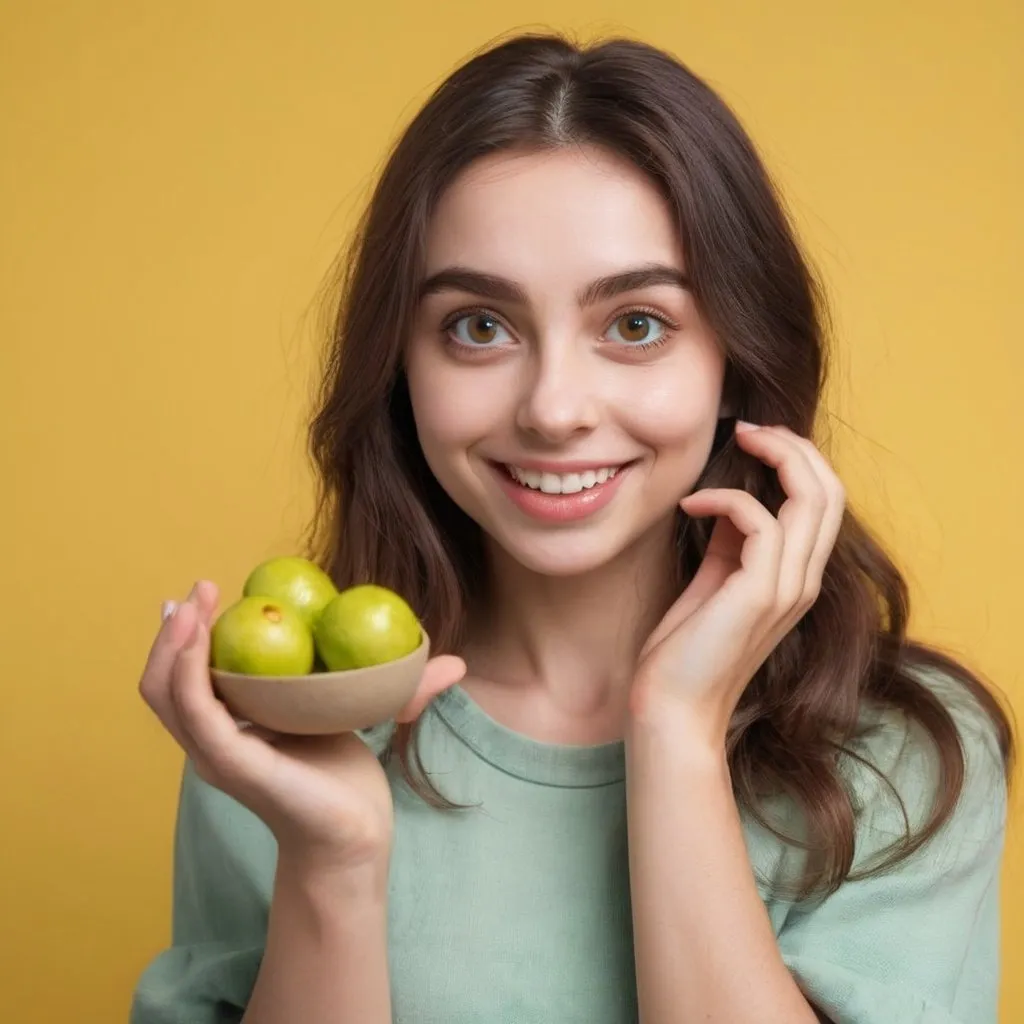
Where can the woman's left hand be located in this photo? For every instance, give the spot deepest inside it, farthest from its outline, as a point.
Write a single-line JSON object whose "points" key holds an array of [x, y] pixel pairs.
{"points": [[758, 578]]}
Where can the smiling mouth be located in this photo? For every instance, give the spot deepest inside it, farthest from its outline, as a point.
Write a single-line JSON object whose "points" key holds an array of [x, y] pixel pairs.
{"points": [[561, 483]]}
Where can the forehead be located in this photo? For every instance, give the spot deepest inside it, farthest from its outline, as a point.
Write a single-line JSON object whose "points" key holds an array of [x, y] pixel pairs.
{"points": [[547, 216]]}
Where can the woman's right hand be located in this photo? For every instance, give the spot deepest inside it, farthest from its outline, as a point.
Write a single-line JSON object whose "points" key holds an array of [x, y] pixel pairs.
{"points": [[325, 798]]}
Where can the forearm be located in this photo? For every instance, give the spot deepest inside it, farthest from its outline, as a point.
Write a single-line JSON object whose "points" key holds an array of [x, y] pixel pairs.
{"points": [[326, 953], [704, 945]]}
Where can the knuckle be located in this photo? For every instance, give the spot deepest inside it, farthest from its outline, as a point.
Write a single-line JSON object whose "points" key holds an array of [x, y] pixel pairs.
{"points": [[776, 533], [813, 493], [790, 596], [153, 690]]}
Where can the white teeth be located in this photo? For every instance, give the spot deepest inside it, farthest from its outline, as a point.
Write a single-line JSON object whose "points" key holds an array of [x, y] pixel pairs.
{"points": [[569, 483]]}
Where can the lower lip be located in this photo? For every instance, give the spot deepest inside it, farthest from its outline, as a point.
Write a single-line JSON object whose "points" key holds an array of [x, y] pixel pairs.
{"points": [[559, 508]]}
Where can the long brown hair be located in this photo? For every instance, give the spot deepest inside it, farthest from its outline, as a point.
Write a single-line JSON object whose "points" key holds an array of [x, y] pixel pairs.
{"points": [[382, 516]]}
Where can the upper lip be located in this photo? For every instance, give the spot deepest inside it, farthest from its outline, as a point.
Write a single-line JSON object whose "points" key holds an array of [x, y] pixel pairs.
{"points": [[563, 468]]}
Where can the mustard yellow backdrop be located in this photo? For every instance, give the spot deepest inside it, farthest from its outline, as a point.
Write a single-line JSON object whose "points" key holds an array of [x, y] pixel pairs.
{"points": [[174, 180]]}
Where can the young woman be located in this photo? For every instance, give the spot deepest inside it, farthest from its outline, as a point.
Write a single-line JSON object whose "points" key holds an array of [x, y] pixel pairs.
{"points": [[677, 761]]}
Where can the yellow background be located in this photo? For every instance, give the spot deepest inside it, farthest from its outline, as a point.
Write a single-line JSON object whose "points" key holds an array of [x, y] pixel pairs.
{"points": [[174, 179]]}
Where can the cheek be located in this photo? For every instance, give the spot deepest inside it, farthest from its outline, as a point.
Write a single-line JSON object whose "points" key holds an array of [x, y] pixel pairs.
{"points": [[667, 420], [677, 417], [453, 408]]}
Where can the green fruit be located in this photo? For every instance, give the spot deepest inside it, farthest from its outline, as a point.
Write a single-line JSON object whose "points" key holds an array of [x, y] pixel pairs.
{"points": [[366, 625], [260, 636], [296, 581]]}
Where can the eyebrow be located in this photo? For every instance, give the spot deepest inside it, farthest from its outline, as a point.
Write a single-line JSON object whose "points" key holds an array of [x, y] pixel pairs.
{"points": [[500, 289]]}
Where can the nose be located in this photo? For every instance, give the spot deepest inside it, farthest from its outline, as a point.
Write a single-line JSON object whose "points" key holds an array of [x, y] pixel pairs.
{"points": [[558, 400]]}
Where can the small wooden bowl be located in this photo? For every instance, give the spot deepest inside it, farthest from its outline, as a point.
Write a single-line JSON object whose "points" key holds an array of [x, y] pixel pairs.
{"points": [[324, 703]]}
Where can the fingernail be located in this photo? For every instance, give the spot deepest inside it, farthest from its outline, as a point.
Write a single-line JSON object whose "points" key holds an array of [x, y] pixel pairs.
{"points": [[742, 426], [167, 610]]}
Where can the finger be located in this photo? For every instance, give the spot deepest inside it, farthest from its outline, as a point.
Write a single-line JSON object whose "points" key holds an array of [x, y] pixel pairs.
{"points": [[707, 581], [212, 736], [208, 596], [788, 455], [155, 684], [439, 674], [835, 497], [826, 473], [761, 552], [802, 514], [204, 595]]}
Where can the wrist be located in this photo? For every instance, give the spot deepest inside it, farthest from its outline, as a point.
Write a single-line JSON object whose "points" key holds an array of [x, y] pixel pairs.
{"points": [[332, 876], [665, 722]]}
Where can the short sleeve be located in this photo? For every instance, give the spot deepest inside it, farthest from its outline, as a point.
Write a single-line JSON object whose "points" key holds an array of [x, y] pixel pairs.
{"points": [[223, 877], [919, 943]]}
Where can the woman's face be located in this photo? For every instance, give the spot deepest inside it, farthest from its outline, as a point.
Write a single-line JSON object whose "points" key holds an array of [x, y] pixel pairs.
{"points": [[564, 385]]}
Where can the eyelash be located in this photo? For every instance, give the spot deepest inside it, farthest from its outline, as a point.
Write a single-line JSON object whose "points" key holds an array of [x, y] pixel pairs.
{"points": [[670, 326]]}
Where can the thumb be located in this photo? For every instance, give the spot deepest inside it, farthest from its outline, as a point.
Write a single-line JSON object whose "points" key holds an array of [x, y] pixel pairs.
{"points": [[440, 673]]}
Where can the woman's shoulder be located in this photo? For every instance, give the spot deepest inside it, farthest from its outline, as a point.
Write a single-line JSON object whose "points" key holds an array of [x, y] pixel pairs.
{"points": [[893, 773], [912, 931]]}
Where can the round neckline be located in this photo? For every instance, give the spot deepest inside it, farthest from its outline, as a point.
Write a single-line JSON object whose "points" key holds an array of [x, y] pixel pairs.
{"points": [[548, 764]]}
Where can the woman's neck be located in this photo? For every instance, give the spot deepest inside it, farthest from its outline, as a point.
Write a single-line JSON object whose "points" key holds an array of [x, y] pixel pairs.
{"points": [[554, 656]]}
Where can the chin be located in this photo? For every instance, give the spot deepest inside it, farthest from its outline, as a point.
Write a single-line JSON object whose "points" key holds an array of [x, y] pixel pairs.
{"points": [[560, 564], [559, 554]]}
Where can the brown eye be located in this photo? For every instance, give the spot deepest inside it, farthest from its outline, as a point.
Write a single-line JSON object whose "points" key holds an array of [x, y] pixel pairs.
{"points": [[476, 330], [638, 329], [482, 329], [634, 327]]}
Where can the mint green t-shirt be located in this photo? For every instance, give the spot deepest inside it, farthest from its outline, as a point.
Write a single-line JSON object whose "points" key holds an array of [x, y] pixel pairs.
{"points": [[518, 912]]}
